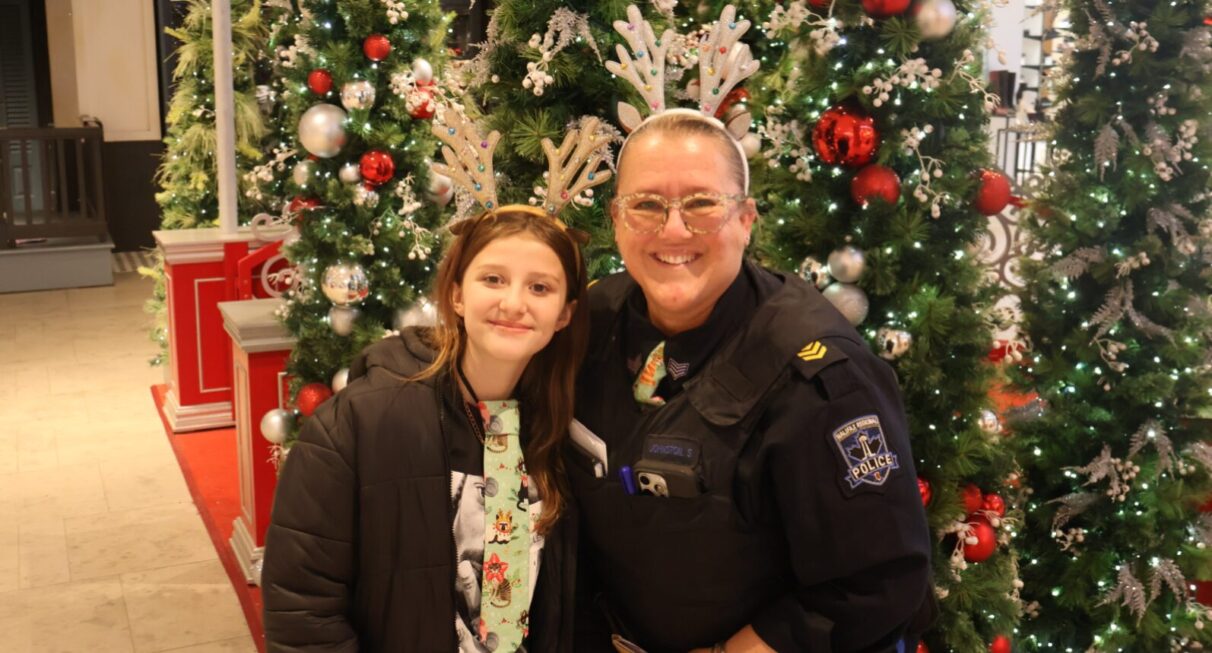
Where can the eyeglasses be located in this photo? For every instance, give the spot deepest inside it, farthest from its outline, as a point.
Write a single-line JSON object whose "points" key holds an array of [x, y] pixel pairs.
{"points": [[702, 213]]}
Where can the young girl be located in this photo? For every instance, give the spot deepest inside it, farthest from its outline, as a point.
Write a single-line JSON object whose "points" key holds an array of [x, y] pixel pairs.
{"points": [[421, 508]]}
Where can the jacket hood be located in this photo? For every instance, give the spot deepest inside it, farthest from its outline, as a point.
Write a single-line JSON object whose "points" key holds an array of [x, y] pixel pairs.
{"points": [[404, 355]]}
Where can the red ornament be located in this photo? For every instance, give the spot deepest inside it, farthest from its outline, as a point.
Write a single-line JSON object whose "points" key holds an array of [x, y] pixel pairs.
{"points": [[845, 135], [319, 81], [994, 504], [311, 396], [921, 648], [1208, 20], [875, 182], [420, 102], [820, 4], [299, 204], [377, 168], [1000, 644], [738, 94], [993, 194], [376, 47], [885, 8], [986, 542], [973, 498], [923, 488]]}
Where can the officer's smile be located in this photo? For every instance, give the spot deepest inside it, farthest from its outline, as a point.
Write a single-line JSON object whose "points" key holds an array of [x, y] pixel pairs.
{"points": [[676, 259]]}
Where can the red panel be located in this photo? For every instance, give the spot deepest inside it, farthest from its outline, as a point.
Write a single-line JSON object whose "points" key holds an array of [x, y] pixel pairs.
{"points": [[198, 345], [263, 370]]}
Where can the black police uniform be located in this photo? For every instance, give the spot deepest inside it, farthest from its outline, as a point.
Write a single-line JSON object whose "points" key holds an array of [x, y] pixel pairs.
{"points": [[808, 524]]}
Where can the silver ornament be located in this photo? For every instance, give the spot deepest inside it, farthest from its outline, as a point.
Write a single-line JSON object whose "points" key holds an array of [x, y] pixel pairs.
{"points": [[846, 264], [275, 425], [303, 171], [440, 190], [893, 343], [934, 18], [342, 319], [751, 144], [350, 173], [340, 379], [322, 130], [420, 313], [849, 300], [359, 94], [364, 196], [989, 422], [815, 273], [345, 284], [422, 70]]}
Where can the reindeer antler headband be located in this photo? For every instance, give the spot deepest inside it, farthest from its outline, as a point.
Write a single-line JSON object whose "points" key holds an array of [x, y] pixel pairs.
{"points": [[723, 63], [571, 170]]}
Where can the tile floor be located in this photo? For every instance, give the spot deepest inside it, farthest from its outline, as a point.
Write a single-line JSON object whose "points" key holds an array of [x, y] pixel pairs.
{"points": [[101, 548]]}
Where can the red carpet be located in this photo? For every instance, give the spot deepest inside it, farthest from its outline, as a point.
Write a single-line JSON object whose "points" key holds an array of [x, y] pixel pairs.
{"points": [[208, 461]]}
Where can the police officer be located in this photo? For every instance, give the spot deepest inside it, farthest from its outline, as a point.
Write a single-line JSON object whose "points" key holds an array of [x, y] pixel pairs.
{"points": [[755, 490]]}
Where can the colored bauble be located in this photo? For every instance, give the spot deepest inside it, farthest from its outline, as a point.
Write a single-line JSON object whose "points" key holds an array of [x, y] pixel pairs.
{"points": [[376, 47], [319, 81], [849, 300], [345, 284], [365, 195], [358, 94], [845, 135], [735, 96], [875, 182], [847, 263], [885, 8], [994, 504], [322, 130], [921, 648], [893, 343], [275, 425], [923, 488], [349, 173], [934, 18], [377, 167], [440, 189], [815, 273], [299, 204], [342, 319], [422, 71], [820, 4], [340, 379], [989, 422], [302, 172], [310, 397], [980, 543], [420, 103], [993, 193], [1000, 644], [973, 498]]}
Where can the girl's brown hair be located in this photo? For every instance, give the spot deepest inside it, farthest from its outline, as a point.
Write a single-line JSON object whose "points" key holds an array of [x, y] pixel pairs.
{"points": [[546, 387]]}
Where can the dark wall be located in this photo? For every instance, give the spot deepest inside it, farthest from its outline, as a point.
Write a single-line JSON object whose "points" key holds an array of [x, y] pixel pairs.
{"points": [[130, 205]]}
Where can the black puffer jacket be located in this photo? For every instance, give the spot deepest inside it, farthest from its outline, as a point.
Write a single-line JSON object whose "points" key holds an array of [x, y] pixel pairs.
{"points": [[360, 550]]}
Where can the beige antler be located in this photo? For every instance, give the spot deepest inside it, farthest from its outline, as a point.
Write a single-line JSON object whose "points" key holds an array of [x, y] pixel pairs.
{"points": [[724, 63], [578, 158], [647, 71], [468, 156]]}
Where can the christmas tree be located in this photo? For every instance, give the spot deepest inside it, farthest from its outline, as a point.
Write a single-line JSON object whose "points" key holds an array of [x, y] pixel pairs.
{"points": [[189, 195], [358, 87], [1119, 316], [868, 97]]}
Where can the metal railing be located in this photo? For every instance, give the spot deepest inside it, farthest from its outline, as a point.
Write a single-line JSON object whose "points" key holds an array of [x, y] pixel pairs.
{"points": [[51, 184]]}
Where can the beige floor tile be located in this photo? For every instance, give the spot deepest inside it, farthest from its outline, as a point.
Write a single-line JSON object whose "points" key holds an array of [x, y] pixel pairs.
{"points": [[10, 558], [182, 606], [61, 492], [43, 553], [66, 618], [137, 484], [237, 645], [136, 540]]}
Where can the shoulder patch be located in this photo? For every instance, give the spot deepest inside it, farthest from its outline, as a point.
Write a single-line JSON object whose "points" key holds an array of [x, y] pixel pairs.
{"points": [[815, 356], [813, 351], [864, 451]]}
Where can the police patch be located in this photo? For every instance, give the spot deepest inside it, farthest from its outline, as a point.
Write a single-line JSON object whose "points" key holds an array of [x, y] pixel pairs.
{"points": [[865, 452]]}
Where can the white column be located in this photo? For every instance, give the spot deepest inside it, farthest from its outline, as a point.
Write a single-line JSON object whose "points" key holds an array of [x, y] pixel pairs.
{"points": [[225, 125]]}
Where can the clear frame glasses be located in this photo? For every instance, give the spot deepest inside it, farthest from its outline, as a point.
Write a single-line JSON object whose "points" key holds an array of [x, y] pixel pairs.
{"points": [[702, 213]]}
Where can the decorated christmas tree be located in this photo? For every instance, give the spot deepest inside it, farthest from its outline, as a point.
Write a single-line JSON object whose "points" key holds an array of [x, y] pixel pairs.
{"points": [[1118, 312], [360, 225], [189, 189], [874, 184]]}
